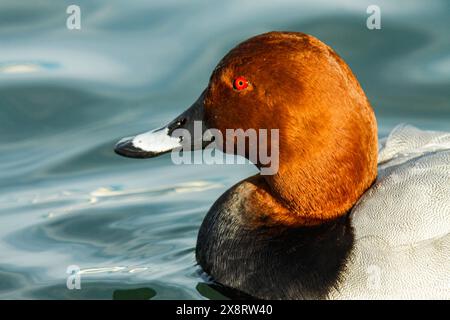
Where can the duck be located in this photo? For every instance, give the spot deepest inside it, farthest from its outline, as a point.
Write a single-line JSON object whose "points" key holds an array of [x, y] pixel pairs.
{"points": [[346, 215]]}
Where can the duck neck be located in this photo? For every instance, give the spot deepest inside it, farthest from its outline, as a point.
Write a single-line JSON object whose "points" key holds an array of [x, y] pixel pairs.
{"points": [[320, 185]]}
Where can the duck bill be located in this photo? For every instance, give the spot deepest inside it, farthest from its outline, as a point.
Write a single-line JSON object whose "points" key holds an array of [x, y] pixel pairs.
{"points": [[184, 132]]}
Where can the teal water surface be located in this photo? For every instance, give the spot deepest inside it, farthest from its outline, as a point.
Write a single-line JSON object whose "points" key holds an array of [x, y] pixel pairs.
{"points": [[66, 96]]}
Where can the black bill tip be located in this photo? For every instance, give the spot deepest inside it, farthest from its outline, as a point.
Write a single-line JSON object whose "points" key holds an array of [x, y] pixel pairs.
{"points": [[126, 148]]}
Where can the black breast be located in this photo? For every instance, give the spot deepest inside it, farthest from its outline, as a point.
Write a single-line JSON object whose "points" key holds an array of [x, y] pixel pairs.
{"points": [[272, 262]]}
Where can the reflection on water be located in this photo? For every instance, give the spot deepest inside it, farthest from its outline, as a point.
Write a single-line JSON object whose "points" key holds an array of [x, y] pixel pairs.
{"points": [[66, 96], [25, 67], [134, 294]]}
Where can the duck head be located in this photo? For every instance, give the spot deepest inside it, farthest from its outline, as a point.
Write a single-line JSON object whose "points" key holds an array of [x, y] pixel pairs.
{"points": [[294, 83]]}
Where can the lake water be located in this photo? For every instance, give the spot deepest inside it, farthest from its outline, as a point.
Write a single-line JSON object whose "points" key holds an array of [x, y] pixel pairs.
{"points": [[66, 96]]}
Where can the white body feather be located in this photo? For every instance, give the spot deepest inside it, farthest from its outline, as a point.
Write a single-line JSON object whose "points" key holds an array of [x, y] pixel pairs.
{"points": [[402, 223]]}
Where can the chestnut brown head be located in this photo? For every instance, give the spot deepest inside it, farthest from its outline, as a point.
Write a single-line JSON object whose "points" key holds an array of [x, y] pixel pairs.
{"points": [[294, 83]]}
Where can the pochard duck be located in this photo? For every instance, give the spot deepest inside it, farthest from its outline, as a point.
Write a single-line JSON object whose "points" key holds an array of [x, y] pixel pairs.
{"points": [[344, 216]]}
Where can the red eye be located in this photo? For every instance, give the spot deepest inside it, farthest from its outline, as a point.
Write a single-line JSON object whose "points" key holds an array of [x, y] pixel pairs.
{"points": [[240, 83]]}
